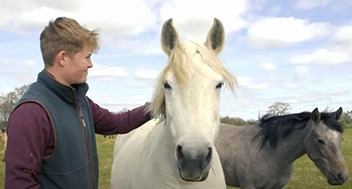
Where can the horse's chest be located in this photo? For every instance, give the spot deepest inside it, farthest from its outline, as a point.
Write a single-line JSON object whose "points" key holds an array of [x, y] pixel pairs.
{"points": [[272, 184], [3, 138], [274, 178]]}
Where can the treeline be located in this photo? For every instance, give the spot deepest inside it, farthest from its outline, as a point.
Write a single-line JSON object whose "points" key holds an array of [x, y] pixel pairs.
{"points": [[8, 102], [237, 121], [346, 118]]}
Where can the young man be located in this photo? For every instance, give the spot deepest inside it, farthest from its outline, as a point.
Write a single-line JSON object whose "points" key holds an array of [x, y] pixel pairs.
{"points": [[51, 132]]}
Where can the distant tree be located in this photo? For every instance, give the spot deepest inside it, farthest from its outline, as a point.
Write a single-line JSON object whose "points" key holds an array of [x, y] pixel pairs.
{"points": [[346, 118], [252, 122], [233, 121], [279, 108], [123, 110], [8, 102]]}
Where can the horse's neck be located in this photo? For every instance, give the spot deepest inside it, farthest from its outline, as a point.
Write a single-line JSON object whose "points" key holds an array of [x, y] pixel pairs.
{"points": [[3, 138], [161, 147], [292, 147], [156, 135]]}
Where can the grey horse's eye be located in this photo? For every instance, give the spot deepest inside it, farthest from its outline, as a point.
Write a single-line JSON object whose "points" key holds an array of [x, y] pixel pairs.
{"points": [[320, 141]]}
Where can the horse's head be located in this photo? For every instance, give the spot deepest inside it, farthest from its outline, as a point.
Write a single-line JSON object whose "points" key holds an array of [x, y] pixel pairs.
{"points": [[188, 98], [323, 145], [2, 130]]}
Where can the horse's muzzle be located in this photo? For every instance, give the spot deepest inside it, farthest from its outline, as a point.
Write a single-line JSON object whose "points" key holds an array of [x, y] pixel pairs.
{"points": [[337, 179], [194, 167]]}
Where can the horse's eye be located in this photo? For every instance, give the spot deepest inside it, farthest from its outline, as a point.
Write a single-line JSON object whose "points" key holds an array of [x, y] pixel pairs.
{"points": [[321, 141], [219, 85], [167, 86]]}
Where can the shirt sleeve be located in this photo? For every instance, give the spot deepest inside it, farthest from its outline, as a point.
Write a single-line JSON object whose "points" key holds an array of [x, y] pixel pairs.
{"points": [[108, 123], [29, 132]]}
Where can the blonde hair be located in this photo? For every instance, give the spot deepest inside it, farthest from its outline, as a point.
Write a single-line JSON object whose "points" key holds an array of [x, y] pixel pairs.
{"points": [[68, 35], [178, 62]]}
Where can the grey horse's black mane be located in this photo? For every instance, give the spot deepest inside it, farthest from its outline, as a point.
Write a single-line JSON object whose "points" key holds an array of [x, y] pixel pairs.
{"points": [[274, 127]]}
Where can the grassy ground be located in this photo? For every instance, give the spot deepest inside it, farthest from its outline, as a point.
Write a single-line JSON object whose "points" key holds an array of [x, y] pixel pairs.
{"points": [[305, 175], [2, 167]]}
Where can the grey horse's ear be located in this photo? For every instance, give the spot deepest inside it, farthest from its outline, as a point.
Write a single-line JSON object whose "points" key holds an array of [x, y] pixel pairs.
{"points": [[216, 37], [169, 37], [338, 113], [315, 115]]}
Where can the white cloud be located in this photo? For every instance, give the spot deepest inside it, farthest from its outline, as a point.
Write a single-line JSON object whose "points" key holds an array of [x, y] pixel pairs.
{"points": [[340, 93], [65, 5], [114, 18], [343, 34], [337, 51], [116, 103], [244, 81], [29, 63], [268, 66], [137, 47], [104, 72], [291, 85], [258, 86], [310, 4], [19, 72], [120, 22], [301, 73], [154, 3], [321, 56], [5, 90], [146, 74], [277, 32], [342, 40], [193, 19], [249, 83], [309, 99], [339, 100]]}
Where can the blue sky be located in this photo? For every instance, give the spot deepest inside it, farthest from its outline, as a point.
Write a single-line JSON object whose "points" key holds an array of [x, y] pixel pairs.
{"points": [[293, 51]]}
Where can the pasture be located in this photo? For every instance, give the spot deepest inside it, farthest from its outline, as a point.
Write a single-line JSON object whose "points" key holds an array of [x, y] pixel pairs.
{"points": [[305, 174]]}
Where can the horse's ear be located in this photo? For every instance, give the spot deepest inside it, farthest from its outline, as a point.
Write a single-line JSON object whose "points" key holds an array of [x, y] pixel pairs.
{"points": [[338, 113], [216, 37], [315, 115], [169, 37]]}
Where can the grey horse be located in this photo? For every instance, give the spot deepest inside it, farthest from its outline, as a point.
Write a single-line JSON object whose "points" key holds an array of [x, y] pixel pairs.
{"points": [[261, 156]]}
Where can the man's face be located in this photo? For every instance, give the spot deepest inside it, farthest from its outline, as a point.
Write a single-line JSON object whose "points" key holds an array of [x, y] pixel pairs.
{"points": [[76, 69]]}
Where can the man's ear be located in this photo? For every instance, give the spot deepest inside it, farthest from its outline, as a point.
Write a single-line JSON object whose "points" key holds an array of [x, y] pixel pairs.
{"points": [[61, 58]]}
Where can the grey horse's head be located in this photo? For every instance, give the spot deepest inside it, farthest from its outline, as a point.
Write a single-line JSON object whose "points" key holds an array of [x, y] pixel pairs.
{"points": [[323, 145]]}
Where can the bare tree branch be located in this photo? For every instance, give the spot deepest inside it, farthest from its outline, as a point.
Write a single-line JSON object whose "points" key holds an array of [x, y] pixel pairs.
{"points": [[279, 108]]}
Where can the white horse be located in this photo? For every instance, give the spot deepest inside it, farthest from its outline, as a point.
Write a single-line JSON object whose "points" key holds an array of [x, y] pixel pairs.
{"points": [[177, 151]]}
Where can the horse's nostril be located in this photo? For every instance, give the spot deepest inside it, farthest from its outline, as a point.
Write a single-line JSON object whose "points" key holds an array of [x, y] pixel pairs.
{"points": [[179, 152], [208, 157], [210, 154], [340, 177]]}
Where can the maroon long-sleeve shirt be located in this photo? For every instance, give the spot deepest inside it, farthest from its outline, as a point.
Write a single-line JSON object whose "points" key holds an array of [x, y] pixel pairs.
{"points": [[29, 132]]}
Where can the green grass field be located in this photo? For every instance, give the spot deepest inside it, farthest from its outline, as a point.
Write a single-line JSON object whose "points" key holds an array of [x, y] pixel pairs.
{"points": [[305, 176]]}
